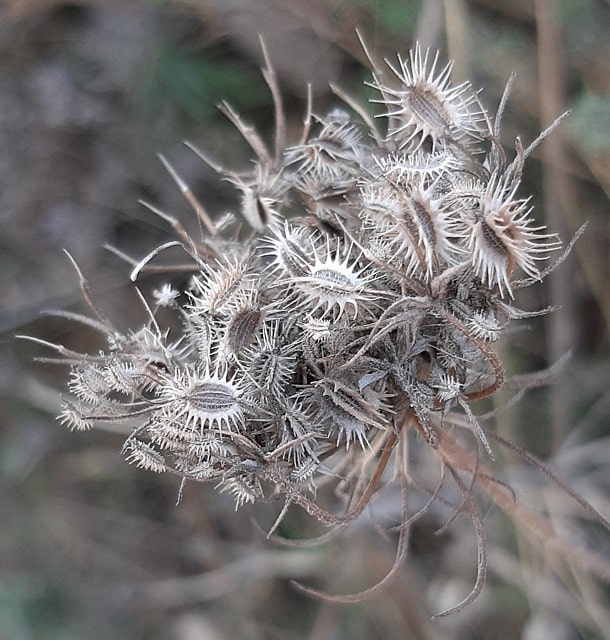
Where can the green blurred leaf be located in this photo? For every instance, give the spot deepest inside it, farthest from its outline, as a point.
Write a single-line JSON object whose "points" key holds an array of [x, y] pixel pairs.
{"points": [[589, 125], [396, 17], [32, 608], [196, 83]]}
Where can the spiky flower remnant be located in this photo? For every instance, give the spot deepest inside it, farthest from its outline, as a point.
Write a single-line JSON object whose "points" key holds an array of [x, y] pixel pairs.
{"points": [[381, 264]]}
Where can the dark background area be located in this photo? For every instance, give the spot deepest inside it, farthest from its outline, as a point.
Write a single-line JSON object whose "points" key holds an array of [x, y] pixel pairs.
{"points": [[90, 92]]}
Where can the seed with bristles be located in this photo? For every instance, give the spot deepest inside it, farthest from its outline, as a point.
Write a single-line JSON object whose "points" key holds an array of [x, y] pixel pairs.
{"points": [[425, 106], [218, 286], [144, 456], [304, 471], [212, 401], [413, 221], [419, 166], [124, 377], [242, 489], [261, 199], [270, 362], [291, 250], [351, 413], [484, 326], [503, 238], [72, 417], [242, 327], [334, 283], [332, 156], [88, 383], [201, 400]]}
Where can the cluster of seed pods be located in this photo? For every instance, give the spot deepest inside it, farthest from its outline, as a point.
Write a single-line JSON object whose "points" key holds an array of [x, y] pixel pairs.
{"points": [[378, 266]]}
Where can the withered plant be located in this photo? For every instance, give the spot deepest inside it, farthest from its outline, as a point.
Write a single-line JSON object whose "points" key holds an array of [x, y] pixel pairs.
{"points": [[358, 308]]}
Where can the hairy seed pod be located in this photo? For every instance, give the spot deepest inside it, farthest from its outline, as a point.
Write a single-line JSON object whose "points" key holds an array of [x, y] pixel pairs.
{"points": [[73, 417], [202, 400], [428, 108], [503, 238], [144, 456], [242, 328]]}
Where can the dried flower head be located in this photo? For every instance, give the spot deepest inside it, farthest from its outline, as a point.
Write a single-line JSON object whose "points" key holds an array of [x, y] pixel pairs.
{"points": [[360, 310]]}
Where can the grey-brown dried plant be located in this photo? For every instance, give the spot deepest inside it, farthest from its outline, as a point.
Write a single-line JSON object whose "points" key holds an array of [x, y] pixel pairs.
{"points": [[360, 307]]}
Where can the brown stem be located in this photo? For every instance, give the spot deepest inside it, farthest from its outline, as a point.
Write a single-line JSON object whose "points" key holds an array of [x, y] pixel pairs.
{"points": [[536, 526]]}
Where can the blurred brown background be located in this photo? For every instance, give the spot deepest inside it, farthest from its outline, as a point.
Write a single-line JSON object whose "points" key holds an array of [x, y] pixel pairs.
{"points": [[90, 91]]}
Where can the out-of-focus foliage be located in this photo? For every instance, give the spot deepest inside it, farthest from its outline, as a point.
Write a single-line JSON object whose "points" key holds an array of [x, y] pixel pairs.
{"points": [[590, 123], [197, 83], [398, 18]]}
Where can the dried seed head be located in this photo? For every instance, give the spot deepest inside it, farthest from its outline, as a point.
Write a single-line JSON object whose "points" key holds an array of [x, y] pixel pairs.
{"points": [[361, 313]]}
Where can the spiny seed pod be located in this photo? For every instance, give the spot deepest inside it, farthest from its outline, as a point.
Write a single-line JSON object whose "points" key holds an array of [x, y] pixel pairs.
{"points": [[201, 399], [504, 238], [426, 108]]}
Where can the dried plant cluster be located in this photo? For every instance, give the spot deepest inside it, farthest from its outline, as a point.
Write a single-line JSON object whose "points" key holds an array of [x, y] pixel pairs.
{"points": [[378, 268]]}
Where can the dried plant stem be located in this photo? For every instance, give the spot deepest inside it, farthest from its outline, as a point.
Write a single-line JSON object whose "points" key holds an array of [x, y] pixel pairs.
{"points": [[457, 33], [391, 575], [537, 527], [558, 204]]}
